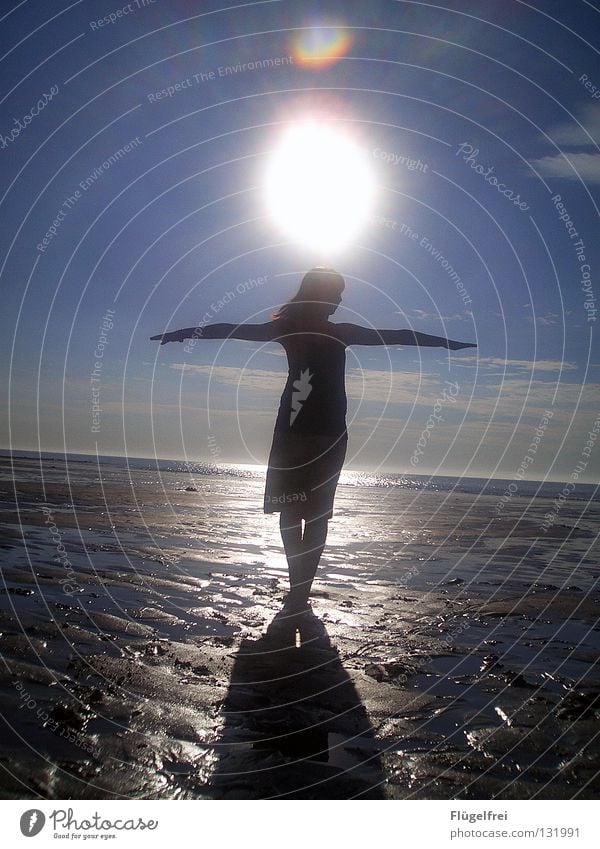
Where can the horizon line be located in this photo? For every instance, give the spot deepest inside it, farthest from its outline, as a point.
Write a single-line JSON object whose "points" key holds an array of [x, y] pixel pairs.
{"points": [[263, 466]]}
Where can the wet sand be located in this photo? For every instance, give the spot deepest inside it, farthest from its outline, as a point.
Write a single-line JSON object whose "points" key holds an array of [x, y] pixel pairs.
{"points": [[145, 661]]}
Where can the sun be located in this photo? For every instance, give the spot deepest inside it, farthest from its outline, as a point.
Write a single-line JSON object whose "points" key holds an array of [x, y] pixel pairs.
{"points": [[319, 187]]}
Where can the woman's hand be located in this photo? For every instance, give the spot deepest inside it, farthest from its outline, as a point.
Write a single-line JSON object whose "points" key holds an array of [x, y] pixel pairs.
{"points": [[174, 336], [456, 346]]}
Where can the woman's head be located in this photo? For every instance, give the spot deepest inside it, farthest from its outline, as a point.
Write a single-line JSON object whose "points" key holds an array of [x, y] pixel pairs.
{"points": [[317, 298]]}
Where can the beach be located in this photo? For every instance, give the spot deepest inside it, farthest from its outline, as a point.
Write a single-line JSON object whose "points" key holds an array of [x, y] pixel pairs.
{"points": [[453, 651]]}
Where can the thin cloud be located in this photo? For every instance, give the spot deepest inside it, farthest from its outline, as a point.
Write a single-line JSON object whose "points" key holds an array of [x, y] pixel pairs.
{"points": [[361, 384], [261, 380], [434, 316], [583, 163], [572, 166], [572, 135], [496, 363], [544, 320]]}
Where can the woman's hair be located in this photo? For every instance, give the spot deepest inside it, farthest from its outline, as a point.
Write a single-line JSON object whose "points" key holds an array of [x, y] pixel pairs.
{"points": [[319, 286]]}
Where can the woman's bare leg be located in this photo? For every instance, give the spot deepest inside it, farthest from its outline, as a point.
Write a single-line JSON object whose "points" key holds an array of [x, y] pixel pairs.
{"points": [[303, 552], [290, 525], [313, 543]]}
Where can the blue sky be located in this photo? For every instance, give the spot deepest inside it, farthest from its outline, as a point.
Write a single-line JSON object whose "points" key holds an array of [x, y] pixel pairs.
{"points": [[151, 205]]}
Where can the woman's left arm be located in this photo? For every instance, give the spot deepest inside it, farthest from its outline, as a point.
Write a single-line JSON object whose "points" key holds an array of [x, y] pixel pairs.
{"points": [[354, 334]]}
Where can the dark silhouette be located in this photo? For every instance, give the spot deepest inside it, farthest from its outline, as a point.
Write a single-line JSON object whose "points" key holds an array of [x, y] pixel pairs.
{"points": [[295, 726], [309, 443]]}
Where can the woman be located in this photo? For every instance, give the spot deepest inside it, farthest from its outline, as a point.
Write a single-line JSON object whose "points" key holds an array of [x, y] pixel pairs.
{"points": [[309, 443]]}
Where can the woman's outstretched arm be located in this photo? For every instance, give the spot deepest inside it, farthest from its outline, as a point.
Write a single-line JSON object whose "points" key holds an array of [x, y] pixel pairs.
{"points": [[354, 334], [250, 332]]}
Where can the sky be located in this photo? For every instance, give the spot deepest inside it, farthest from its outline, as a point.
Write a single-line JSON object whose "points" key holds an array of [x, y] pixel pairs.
{"points": [[135, 139]]}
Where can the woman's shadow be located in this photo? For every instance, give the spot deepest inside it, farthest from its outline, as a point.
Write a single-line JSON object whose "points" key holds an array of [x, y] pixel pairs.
{"points": [[295, 726]]}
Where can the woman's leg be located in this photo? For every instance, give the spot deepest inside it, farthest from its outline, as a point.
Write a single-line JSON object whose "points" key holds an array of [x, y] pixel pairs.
{"points": [[313, 543], [290, 525], [303, 552]]}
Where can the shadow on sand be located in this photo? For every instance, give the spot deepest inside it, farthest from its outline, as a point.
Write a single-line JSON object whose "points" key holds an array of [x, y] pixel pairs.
{"points": [[295, 726]]}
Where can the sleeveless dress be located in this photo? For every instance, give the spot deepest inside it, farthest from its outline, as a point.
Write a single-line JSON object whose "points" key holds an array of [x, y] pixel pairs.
{"points": [[310, 437]]}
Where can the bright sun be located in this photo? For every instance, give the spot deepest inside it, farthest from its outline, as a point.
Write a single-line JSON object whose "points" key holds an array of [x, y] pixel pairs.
{"points": [[319, 187]]}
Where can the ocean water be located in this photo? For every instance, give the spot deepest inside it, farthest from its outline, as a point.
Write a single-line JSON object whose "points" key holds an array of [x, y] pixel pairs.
{"points": [[461, 535], [434, 483]]}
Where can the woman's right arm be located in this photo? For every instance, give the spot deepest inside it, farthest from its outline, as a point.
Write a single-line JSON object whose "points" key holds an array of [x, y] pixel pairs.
{"points": [[250, 332]]}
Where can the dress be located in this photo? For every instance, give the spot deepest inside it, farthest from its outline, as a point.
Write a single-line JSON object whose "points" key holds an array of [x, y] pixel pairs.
{"points": [[310, 438]]}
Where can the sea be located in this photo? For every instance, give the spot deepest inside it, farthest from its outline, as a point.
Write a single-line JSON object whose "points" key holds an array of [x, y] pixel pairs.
{"points": [[418, 532], [499, 487]]}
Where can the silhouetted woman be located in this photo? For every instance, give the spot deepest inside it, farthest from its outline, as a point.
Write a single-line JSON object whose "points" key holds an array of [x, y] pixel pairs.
{"points": [[309, 443]]}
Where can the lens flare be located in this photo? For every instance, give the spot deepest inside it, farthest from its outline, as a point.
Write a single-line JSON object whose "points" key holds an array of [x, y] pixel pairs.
{"points": [[319, 187], [321, 47]]}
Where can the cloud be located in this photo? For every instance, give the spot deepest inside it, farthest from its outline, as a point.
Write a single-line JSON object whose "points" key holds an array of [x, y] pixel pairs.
{"points": [[571, 166], [435, 316], [363, 385], [502, 398], [393, 387], [495, 363], [144, 408], [516, 397], [570, 134], [265, 381], [545, 320]]}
